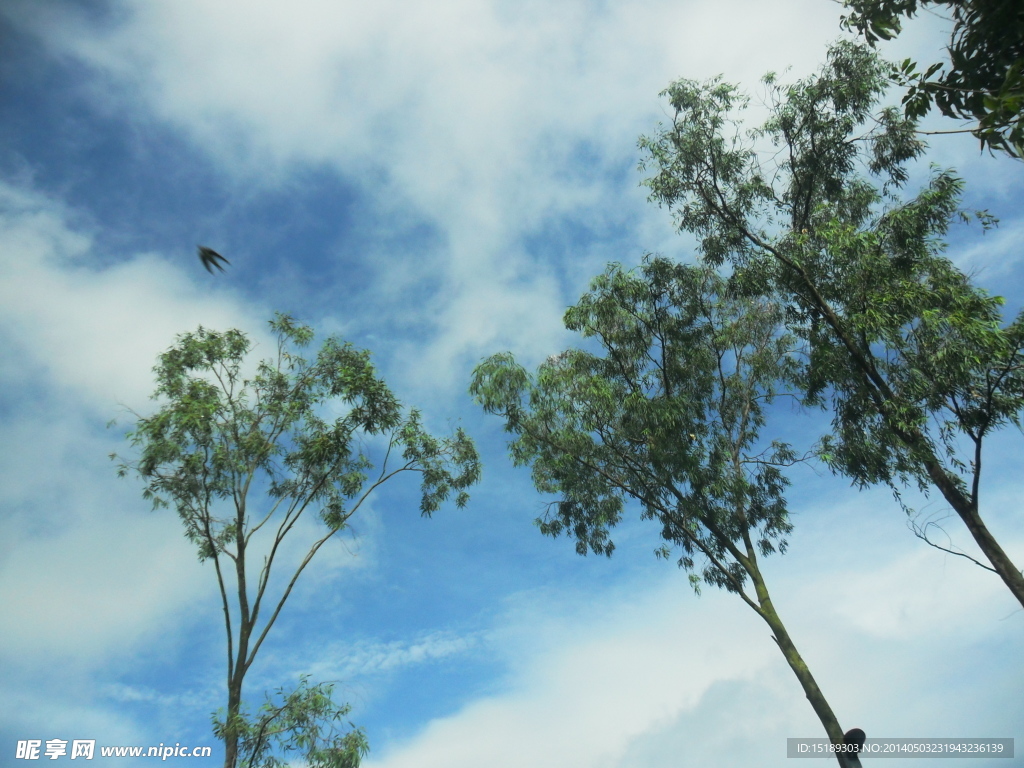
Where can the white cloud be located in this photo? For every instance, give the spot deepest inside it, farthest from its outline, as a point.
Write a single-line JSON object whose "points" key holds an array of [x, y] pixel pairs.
{"points": [[66, 596], [72, 531], [365, 658], [647, 674], [95, 333], [78, 341], [590, 677], [488, 119]]}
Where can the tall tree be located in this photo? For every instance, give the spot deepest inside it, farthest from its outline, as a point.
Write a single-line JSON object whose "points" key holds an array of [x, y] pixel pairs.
{"points": [[668, 414], [984, 78], [914, 359], [220, 437]]}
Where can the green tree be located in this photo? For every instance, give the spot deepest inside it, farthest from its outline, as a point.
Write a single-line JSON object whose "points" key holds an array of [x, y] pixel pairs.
{"points": [[668, 414], [984, 81], [218, 437], [304, 721], [914, 359]]}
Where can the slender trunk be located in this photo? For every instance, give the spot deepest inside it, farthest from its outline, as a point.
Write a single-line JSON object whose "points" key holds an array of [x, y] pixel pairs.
{"points": [[235, 678], [799, 666], [236, 674], [968, 512], [231, 731]]}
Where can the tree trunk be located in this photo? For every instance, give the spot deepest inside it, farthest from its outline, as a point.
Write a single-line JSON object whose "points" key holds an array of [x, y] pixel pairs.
{"points": [[799, 666], [236, 673], [968, 512], [231, 729], [883, 396]]}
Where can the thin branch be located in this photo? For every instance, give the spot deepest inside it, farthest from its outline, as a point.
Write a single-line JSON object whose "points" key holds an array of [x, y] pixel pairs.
{"points": [[922, 533], [313, 550]]}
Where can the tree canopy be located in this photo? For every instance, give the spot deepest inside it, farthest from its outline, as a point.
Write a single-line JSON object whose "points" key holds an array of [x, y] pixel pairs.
{"points": [[659, 416], [219, 436], [305, 721], [913, 359], [666, 412], [983, 80]]}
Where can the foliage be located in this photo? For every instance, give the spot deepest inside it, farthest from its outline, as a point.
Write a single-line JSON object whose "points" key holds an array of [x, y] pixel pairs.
{"points": [[912, 357], [984, 81], [668, 414], [218, 433], [304, 721]]}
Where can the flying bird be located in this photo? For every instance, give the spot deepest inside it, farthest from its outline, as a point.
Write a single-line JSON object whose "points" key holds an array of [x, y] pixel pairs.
{"points": [[211, 259]]}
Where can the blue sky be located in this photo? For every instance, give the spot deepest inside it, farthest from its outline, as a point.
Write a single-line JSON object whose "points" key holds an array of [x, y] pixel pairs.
{"points": [[435, 182]]}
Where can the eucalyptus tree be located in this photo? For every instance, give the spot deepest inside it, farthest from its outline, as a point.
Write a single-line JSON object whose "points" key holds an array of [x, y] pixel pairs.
{"points": [[218, 438], [983, 81], [916, 361], [666, 413]]}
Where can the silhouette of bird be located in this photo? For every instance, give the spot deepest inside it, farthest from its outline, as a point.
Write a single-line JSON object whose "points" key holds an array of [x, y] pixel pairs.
{"points": [[211, 258]]}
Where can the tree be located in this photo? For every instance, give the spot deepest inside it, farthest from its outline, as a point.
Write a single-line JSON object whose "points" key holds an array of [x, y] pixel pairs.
{"points": [[668, 414], [984, 81], [218, 437], [913, 358], [303, 722]]}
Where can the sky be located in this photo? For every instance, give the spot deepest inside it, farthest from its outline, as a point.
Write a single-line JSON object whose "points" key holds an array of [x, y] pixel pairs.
{"points": [[435, 182]]}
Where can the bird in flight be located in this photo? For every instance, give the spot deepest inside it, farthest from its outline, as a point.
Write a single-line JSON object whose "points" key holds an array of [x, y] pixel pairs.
{"points": [[211, 259]]}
